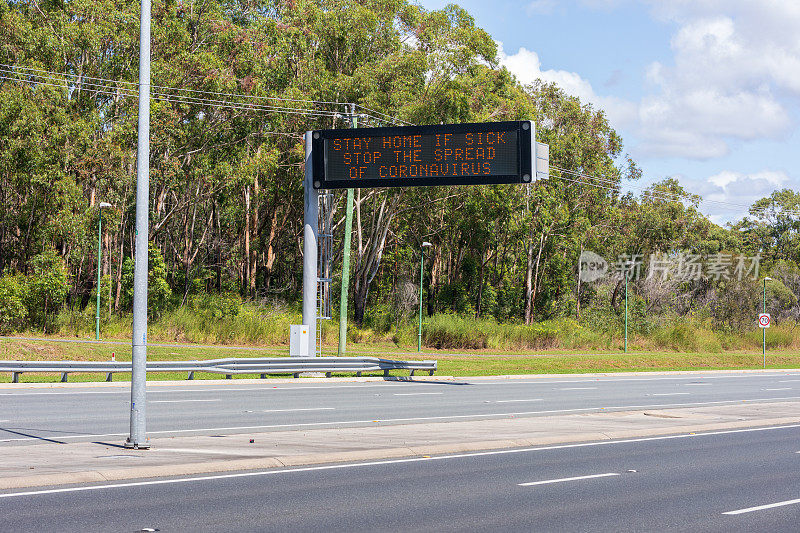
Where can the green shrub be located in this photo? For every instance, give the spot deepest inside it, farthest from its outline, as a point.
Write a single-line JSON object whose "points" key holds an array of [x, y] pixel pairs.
{"points": [[13, 311], [158, 290], [686, 337], [47, 289]]}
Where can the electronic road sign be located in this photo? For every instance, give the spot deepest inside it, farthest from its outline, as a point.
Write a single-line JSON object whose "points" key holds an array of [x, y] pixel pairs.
{"points": [[450, 154]]}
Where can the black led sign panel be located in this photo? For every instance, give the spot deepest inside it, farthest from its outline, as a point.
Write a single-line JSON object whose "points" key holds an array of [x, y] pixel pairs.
{"points": [[453, 154]]}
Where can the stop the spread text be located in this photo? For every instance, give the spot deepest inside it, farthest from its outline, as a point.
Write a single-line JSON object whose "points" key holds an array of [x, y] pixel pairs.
{"points": [[492, 153]]}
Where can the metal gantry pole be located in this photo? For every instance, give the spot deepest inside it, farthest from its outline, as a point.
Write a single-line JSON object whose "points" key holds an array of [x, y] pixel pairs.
{"points": [[348, 230], [99, 263], [310, 233], [138, 434]]}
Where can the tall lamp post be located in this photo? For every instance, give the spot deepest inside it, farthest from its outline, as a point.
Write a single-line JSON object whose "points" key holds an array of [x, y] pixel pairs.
{"points": [[764, 330], [425, 244], [99, 265]]}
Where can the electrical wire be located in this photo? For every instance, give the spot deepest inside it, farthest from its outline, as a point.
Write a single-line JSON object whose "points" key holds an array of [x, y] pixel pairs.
{"points": [[157, 95], [136, 84], [665, 195], [46, 74], [60, 80]]}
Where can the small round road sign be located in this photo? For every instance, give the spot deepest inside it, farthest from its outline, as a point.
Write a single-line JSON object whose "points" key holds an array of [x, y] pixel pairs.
{"points": [[763, 320]]}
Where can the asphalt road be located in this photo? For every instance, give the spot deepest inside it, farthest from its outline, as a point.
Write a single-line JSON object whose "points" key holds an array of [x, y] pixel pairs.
{"points": [[29, 415], [739, 480]]}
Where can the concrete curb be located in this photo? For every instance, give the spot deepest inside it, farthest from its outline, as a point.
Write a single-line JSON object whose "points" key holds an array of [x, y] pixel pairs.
{"points": [[106, 475]]}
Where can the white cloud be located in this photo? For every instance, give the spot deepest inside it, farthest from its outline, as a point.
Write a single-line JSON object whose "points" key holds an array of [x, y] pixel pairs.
{"points": [[527, 67], [730, 194], [735, 75], [541, 7]]}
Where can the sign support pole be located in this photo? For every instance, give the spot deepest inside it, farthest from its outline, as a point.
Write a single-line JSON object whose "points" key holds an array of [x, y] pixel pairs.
{"points": [[764, 330], [138, 435], [310, 252], [348, 231]]}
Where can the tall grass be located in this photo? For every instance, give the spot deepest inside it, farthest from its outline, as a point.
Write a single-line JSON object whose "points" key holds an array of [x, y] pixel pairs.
{"points": [[453, 332], [251, 324]]}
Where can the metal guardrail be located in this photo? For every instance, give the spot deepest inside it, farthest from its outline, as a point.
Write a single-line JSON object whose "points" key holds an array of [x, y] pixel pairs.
{"points": [[228, 366]]}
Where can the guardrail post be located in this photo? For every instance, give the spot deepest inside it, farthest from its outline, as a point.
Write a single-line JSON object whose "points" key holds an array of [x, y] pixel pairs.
{"points": [[327, 374], [191, 374], [15, 377], [412, 372], [228, 376], [63, 377], [109, 376], [386, 373], [263, 376]]}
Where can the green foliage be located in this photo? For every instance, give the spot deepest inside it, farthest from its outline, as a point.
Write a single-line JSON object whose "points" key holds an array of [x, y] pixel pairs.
{"points": [[227, 199], [686, 337], [158, 290], [13, 298], [47, 289], [210, 307]]}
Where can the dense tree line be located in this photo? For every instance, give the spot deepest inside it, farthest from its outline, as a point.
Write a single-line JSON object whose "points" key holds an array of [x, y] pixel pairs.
{"points": [[226, 173]]}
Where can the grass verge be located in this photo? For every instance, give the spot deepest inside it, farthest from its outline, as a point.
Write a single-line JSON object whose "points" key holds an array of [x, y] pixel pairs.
{"points": [[451, 363]]}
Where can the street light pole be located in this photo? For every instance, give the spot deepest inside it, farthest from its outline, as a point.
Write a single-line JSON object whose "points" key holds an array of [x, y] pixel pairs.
{"points": [[99, 264], [421, 262], [138, 434]]}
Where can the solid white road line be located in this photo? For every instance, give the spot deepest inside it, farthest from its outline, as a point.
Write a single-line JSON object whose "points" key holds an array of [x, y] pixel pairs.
{"points": [[416, 393], [788, 380], [512, 401], [781, 388], [763, 507], [391, 461], [471, 380], [576, 478], [410, 419], [183, 401], [670, 394], [292, 410], [696, 384], [577, 388]]}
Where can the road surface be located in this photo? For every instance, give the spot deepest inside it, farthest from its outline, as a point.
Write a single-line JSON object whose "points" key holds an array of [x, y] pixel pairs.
{"points": [[737, 480], [86, 413]]}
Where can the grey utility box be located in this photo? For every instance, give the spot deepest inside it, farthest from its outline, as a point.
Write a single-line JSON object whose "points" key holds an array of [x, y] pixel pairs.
{"points": [[298, 340]]}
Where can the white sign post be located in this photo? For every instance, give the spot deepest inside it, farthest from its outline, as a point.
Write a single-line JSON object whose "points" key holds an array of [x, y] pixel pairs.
{"points": [[764, 321]]}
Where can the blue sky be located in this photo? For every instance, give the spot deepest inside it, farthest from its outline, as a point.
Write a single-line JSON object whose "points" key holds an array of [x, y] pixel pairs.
{"points": [[706, 91]]}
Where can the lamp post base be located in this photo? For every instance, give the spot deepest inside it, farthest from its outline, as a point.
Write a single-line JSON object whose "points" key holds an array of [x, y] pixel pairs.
{"points": [[136, 446]]}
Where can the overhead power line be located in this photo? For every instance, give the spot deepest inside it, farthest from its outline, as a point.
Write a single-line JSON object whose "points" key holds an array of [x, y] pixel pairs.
{"points": [[159, 92], [607, 184]]}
